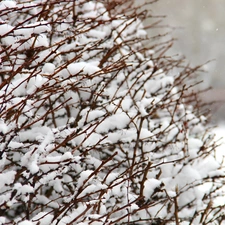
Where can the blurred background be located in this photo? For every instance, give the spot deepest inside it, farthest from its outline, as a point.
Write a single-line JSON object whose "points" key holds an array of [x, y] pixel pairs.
{"points": [[199, 28]]}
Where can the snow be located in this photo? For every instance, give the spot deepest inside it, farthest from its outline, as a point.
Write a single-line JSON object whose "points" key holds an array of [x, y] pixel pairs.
{"points": [[3, 127], [112, 122], [92, 188], [44, 218], [48, 68], [111, 177], [149, 187], [36, 133], [26, 222], [26, 86], [188, 174], [159, 82], [7, 5], [84, 177], [7, 178], [97, 34], [5, 28], [23, 189], [66, 156], [29, 160], [220, 135], [90, 123], [194, 145], [41, 199], [33, 28], [123, 135], [62, 26], [95, 114], [87, 68], [49, 177], [2, 220]]}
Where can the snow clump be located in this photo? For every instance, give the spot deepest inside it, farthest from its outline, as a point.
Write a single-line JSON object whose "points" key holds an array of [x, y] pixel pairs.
{"points": [[96, 128]]}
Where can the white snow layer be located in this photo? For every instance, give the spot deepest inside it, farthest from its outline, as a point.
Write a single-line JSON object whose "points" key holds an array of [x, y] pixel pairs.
{"points": [[68, 156]]}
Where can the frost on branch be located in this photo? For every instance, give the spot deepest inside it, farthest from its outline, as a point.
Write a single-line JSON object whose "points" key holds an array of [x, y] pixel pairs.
{"points": [[96, 128]]}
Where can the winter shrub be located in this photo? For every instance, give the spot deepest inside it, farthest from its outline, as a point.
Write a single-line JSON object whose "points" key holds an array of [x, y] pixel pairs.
{"points": [[95, 127]]}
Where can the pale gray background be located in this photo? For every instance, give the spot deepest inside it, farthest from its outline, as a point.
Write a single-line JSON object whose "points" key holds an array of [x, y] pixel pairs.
{"points": [[200, 30]]}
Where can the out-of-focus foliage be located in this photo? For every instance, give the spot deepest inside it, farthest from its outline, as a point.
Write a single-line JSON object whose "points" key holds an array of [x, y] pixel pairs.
{"points": [[95, 128]]}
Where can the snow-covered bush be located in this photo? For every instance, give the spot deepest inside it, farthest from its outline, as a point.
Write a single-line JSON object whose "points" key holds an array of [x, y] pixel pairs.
{"points": [[95, 128]]}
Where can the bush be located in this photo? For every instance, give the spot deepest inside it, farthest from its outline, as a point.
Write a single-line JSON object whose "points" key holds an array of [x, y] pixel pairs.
{"points": [[96, 128]]}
